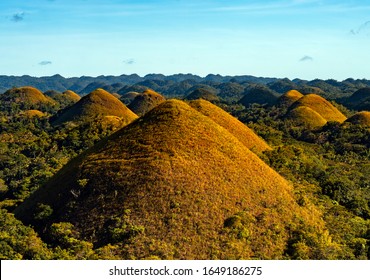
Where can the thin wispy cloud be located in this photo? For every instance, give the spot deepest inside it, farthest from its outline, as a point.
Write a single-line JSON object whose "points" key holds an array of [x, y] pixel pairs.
{"points": [[291, 7], [17, 17], [306, 58], [362, 29], [129, 61], [45, 62]]}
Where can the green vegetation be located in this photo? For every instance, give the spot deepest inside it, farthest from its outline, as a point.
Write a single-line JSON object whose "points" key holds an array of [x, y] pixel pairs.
{"points": [[361, 118], [184, 181]]}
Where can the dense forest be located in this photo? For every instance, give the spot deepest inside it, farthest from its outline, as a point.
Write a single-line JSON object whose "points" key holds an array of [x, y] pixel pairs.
{"points": [[184, 167]]}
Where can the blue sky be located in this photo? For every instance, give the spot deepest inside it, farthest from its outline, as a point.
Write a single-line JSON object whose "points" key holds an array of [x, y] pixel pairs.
{"points": [[304, 39]]}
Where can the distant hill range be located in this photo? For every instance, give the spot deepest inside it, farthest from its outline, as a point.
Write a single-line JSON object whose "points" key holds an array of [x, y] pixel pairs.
{"points": [[184, 84]]}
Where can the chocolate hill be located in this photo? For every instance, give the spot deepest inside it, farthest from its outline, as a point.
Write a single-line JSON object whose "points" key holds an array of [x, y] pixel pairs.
{"points": [[145, 102], [305, 116], [243, 133], [175, 185], [313, 111], [71, 95], [288, 98], [27, 96], [98, 103], [361, 118], [321, 106]]}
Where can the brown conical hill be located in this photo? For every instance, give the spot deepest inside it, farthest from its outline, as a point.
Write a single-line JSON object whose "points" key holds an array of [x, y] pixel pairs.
{"points": [[305, 116], [361, 118], [321, 106], [71, 95], [98, 103], [288, 98], [28, 96], [173, 184], [243, 133], [146, 101]]}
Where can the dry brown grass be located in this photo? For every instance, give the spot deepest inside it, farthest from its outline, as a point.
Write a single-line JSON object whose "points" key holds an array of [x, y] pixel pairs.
{"points": [[28, 95], [33, 114], [98, 103], [303, 115], [145, 101], [321, 106], [243, 133], [71, 95], [289, 98], [186, 186]]}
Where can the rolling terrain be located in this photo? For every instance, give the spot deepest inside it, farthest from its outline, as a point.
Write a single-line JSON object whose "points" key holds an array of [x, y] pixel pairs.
{"points": [[277, 176]]}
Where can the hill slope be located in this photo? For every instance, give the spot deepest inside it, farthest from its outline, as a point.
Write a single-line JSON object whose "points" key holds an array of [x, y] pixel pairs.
{"points": [[30, 114], [202, 93], [260, 95], [322, 106], [288, 98], [174, 184], [71, 95], [303, 115], [28, 96], [243, 133], [98, 103], [146, 101], [359, 100], [361, 118]]}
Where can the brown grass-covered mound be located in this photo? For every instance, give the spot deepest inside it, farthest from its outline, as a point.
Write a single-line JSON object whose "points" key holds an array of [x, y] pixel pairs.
{"points": [[361, 118], [175, 185], [30, 114], [27, 95], [71, 95], [321, 106], [305, 116], [243, 133], [146, 101], [98, 103], [288, 98]]}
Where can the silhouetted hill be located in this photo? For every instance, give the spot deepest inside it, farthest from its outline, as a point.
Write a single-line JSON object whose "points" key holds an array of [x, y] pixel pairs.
{"points": [[361, 118], [260, 95], [282, 86], [359, 100], [202, 93]]}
